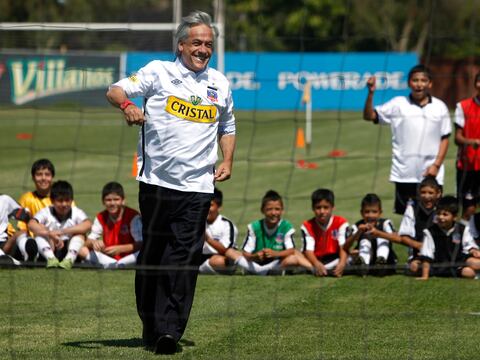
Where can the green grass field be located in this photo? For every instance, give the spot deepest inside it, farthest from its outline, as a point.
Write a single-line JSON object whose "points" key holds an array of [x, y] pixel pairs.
{"points": [[86, 314]]}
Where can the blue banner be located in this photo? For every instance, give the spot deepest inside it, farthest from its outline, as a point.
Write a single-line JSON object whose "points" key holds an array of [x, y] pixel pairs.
{"points": [[275, 81]]}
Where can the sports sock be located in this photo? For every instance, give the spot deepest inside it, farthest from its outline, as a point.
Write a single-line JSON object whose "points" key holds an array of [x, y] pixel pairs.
{"points": [[74, 246], [44, 248]]}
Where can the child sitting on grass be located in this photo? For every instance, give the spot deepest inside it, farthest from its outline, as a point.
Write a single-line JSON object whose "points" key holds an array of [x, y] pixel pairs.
{"points": [[448, 249], [116, 235], [269, 246], [324, 236], [371, 236], [60, 229]]}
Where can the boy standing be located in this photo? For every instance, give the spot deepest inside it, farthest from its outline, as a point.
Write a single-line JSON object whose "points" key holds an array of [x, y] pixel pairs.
{"points": [[60, 229], [269, 245], [372, 235], [324, 236], [467, 137], [220, 237], [42, 172], [420, 125], [116, 235], [449, 245]]}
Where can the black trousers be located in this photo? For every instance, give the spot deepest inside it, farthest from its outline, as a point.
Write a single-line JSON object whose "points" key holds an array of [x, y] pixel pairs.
{"points": [[173, 236]]}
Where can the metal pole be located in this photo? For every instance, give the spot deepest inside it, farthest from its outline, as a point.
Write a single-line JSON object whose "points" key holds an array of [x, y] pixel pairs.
{"points": [[177, 17], [219, 18]]}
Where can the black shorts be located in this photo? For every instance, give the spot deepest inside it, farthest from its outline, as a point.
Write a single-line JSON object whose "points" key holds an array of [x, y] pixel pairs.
{"points": [[404, 192], [468, 187]]}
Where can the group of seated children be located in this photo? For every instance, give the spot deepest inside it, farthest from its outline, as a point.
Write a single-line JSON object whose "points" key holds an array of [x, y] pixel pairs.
{"points": [[438, 244], [52, 228]]}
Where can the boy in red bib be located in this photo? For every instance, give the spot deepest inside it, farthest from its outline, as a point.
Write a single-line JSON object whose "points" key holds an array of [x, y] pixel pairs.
{"points": [[324, 236], [116, 232]]}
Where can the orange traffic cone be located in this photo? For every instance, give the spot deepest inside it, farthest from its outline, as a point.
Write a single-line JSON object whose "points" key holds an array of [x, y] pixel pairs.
{"points": [[134, 165], [300, 141]]}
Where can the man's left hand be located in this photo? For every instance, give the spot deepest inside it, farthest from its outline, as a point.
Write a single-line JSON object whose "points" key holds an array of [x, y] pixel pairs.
{"points": [[223, 172]]}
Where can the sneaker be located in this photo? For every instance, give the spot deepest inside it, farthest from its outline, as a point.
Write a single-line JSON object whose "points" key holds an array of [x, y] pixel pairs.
{"points": [[380, 263], [66, 264], [6, 261], [31, 249], [361, 265], [52, 263]]}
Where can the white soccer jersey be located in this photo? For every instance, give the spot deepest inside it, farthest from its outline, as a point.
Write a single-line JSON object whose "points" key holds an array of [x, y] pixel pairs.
{"points": [[184, 112], [416, 135], [428, 246], [7, 206], [222, 230], [407, 226], [46, 217], [474, 232]]}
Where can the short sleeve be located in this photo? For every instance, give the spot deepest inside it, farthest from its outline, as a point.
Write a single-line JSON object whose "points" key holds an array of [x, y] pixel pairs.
{"points": [[459, 116], [342, 231], [386, 112], [142, 83], [289, 242], [428, 246], [407, 226], [136, 228], [227, 118], [308, 240], [250, 241], [97, 230], [446, 122]]}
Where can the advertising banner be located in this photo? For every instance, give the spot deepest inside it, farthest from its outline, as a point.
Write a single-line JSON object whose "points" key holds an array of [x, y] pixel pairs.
{"points": [[38, 79], [275, 81]]}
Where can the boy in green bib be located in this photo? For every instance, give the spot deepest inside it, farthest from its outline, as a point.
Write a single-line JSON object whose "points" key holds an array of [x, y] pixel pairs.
{"points": [[269, 245]]}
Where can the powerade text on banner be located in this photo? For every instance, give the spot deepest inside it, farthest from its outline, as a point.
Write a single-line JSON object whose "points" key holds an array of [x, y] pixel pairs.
{"points": [[275, 81]]}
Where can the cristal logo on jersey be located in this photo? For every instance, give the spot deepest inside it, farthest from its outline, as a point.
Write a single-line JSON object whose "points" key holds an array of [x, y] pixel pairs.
{"points": [[191, 111]]}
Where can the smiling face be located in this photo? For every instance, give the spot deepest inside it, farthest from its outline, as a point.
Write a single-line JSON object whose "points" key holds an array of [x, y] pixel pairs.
{"points": [[272, 210], [371, 213], [114, 204], [197, 49], [43, 179], [445, 219], [420, 85], [62, 206], [429, 196]]}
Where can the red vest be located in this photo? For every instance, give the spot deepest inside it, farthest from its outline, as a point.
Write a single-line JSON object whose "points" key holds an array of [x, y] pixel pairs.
{"points": [[326, 241], [468, 158], [117, 233]]}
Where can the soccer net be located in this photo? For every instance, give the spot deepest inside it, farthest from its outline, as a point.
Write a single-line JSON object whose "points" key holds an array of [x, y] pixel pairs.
{"points": [[298, 81]]}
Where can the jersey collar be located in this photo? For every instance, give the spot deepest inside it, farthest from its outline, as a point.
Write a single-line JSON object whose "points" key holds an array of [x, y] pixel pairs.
{"points": [[186, 72], [415, 103]]}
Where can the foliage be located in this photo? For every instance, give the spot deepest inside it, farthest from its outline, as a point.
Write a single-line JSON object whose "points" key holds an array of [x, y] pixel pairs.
{"points": [[441, 28]]}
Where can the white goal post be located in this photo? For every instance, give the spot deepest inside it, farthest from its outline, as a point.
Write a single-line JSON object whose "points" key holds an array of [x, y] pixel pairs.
{"points": [[81, 26]]}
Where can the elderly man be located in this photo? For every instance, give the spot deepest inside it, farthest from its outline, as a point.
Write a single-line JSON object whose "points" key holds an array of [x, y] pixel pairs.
{"points": [[188, 107]]}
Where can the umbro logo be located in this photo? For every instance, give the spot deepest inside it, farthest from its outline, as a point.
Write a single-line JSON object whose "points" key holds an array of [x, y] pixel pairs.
{"points": [[176, 82]]}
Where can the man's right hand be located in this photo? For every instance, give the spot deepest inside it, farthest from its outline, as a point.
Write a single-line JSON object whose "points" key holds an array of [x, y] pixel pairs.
{"points": [[133, 115], [371, 83]]}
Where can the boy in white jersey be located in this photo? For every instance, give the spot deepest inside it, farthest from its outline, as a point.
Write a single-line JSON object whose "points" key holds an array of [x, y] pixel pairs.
{"points": [[219, 252], [9, 208], [420, 125], [60, 229]]}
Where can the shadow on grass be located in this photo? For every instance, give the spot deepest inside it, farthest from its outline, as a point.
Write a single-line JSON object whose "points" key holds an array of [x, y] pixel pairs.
{"points": [[128, 343]]}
